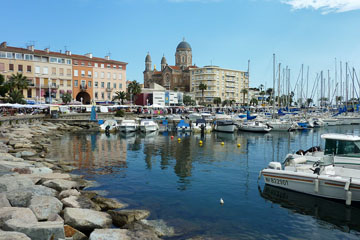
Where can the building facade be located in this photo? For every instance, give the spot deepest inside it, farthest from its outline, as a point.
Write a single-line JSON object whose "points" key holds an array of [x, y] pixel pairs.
{"points": [[171, 77], [52, 74], [226, 84]]}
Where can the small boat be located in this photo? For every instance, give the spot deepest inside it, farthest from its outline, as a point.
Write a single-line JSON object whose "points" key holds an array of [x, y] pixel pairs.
{"points": [[148, 125], [225, 126], [255, 127], [199, 125], [182, 126], [194, 116], [279, 125], [109, 126], [322, 180], [128, 126]]}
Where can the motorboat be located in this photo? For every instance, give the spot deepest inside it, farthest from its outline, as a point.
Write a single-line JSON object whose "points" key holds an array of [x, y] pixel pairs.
{"points": [[109, 126], [201, 125], [148, 125], [255, 127], [322, 179], [331, 122], [225, 126], [345, 149], [194, 116], [183, 126], [128, 126]]}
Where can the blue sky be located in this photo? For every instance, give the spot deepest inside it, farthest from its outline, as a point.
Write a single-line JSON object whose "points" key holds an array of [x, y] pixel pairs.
{"points": [[224, 32]]}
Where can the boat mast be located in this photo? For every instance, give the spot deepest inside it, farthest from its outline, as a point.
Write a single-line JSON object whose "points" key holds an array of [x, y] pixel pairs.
{"points": [[321, 88], [341, 84], [346, 83], [302, 84], [273, 90], [328, 85], [279, 106], [353, 89], [307, 84]]}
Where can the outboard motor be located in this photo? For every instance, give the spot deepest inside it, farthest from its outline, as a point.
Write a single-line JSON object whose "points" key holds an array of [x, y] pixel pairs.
{"points": [[107, 130]]}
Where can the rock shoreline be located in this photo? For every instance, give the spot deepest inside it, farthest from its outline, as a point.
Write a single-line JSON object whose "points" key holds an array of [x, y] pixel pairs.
{"points": [[40, 200]]}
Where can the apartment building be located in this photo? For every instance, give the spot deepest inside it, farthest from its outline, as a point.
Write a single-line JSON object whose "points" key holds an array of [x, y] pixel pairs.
{"points": [[223, 83], [109, 77], [52, 74]]}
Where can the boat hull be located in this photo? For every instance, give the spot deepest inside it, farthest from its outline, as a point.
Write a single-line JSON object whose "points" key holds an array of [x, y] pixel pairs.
{"points": [[225, 128]]}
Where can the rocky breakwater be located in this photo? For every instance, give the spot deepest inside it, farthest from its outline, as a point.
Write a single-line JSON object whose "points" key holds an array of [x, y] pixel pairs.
{"points": [[39, 200]]}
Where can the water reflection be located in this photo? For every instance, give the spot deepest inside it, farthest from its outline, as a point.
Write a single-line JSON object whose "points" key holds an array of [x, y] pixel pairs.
{"points": [[337, 213]]}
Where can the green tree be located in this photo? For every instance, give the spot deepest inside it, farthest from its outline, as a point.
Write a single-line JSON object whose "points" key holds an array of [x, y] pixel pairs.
{"points": [[217, 101], [3, 87], [308, 101], [262, 94], [338, 99], [134, 89], [254, 101], [225, 102], [120, 95], [66, 98], [187, 100], [244, 91], [202, 88], [15, 85], [269, 92], [16, 96], [231, 102]]}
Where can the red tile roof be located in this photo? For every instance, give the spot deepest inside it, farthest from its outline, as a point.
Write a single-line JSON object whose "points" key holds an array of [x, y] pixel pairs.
{"points": [[174, 67], [157, 73]]}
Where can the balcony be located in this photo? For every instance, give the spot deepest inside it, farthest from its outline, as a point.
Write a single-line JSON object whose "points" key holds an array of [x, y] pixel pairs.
{"points": [[83, 88], [109, 89], [230, 80]]}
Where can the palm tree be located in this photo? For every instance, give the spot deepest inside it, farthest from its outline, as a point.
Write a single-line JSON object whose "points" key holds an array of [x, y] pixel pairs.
{"points": [[309, 101], [253, 101], [225, 102], [202, 87], [217, 101], [120, 95], [16, 96], [18, 81], [134, 89], [269, 91], [232, 102], [3, 87], [187, 100], [244, 91], [262, 94], [66, 98]]}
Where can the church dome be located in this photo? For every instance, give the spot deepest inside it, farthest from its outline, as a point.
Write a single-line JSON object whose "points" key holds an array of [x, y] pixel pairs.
{"points": [[148, 58], [163, 60], [183, 45]]}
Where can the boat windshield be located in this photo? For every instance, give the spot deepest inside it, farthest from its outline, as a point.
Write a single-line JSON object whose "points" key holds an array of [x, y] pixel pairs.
{"points": [[342, 148]]}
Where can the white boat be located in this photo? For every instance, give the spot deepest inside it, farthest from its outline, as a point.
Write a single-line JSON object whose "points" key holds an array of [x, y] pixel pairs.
{"points": [[128, 126], [345, 149], [225, 126], [148, 125], [319, 180], [331, 122], [194, 116], [279, 125], [109, 126], [254, 127], [201, 125]]}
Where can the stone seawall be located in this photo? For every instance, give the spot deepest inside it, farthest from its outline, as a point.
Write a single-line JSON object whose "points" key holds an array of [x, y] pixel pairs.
{"points": [[40, 199]]}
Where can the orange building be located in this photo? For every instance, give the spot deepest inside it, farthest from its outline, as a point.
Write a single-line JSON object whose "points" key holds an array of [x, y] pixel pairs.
{"points": [[82, 79]]}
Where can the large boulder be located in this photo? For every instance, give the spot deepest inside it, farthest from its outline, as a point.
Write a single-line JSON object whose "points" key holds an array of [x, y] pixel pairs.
{"points": [[86, 220], [24, 214], [19, 198], [79, 202], [8, 166], [45, 206], [4, 202], [60, 184], [68, 193], [38, 230], [108, 203], [4, 235], [9, 183], [122, 217], [160, 227], [122, 234]]}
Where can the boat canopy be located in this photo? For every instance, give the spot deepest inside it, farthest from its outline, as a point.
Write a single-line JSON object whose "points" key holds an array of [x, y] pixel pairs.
{"points": [[342, 137], [182, 123]]}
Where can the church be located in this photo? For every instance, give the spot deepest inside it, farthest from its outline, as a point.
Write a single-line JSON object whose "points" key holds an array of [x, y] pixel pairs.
{"points": [[176, 78]]}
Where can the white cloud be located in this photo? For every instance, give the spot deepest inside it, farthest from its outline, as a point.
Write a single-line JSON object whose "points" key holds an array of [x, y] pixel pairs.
{"points": [[325, 6]]}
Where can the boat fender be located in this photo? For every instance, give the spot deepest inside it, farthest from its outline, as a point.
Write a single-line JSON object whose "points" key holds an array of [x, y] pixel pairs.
{"points": [[316, 186], [347, 185], [348, 198]]}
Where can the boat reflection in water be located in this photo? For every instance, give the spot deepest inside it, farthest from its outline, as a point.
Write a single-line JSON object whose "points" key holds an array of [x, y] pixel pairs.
{"points": [[346, 218]]}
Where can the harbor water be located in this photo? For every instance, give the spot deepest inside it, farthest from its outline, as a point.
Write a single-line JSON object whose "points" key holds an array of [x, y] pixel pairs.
{"points": [[182, 181]]}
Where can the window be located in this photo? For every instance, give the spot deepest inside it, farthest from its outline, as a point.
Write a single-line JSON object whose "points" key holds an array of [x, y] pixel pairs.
{"points": [[114, 85], [114, 66], [89, 64], [28, 57], [108, 66], [75, 83], [9, 55], [102, 84], [108, 85], [68, 61], [89, 73], [61, 60], [83, 83], [120, 76], [96, 74], [45, 70], [102, 74], [102, 95], [53, 71], [61, 83], [18, 56], [102, 65], [96, 84], [109, 96], [2, 66], [29, 91], [68, 72], [83, 73], [53, 60], [114, 75], [20, 68], [89, 84], [2, 54], [108, 75], [96, 95], [82, 64], [37, 69], [96, 65], [28, 68], [120, 85], [61, 71], [68, 83], [76, 73], [75, 62]]}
